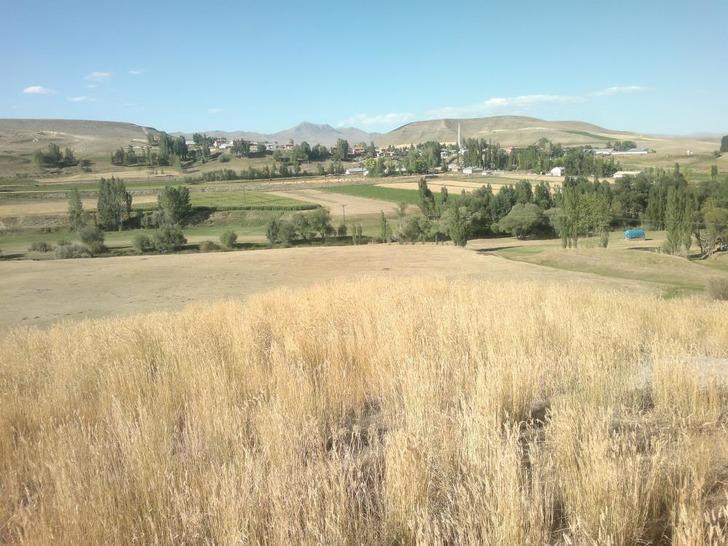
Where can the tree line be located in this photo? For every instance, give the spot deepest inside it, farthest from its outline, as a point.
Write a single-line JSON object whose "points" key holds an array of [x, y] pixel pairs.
{"points": [[114, 212], [162, 150], [542, 156], [54, 158], [581, 207]]}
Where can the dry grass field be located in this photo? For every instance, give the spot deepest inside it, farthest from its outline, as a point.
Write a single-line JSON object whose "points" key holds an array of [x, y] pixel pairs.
{"points": [[354, 206], [457, 185], [24, 207], [43, 292], [373, 412]]}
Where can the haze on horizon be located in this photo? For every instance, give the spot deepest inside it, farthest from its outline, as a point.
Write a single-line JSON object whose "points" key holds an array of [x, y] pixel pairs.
{"points": [[244, 67]]}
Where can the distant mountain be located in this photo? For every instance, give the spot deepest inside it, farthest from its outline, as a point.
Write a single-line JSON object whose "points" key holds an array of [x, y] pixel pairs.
{"points": [[21, 137], [506, 130], [303, 132]]}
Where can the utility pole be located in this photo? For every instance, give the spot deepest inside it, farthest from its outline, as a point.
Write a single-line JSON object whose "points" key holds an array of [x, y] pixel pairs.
{"points": [[343, 210]]}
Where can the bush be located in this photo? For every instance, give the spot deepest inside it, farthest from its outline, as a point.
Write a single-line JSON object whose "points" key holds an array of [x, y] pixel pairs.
{"points": [[63, 242], [151, 220], [209, 246], [286, 232], [415, 228], [93, 238], [224, 158], [41, 246], [718, 289], [65, 252], [341, 230], [142, 242], [168, 238], [272, 230], [228, 239], [523, 220]]}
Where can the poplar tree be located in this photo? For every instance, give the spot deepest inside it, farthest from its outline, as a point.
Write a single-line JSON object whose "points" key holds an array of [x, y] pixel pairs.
{"points": [[114, 204], [76, 215]]}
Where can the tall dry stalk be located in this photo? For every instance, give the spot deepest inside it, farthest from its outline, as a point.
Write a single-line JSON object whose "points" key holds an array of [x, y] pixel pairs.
{"points": [[372, 412]]}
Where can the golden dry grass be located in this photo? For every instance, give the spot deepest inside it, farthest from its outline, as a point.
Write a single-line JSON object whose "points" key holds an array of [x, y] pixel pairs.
{"points": [[379, 411]]}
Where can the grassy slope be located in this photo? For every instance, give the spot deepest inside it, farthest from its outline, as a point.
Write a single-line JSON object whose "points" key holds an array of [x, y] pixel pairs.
{"points": [[322, 416], [640, 261]]}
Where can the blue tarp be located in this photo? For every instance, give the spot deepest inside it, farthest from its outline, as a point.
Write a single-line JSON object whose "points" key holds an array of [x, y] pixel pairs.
{"points": [[634, 234]]}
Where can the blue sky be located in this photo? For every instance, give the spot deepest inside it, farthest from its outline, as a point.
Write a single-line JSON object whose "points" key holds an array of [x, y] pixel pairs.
{"points": [[644, 65]]}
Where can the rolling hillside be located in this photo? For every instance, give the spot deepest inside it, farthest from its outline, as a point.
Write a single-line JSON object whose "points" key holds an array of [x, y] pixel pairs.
{"points": [[24, 136]]}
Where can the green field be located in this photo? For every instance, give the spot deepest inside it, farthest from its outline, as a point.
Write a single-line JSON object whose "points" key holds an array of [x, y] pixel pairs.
{"points": [[240, 200]]}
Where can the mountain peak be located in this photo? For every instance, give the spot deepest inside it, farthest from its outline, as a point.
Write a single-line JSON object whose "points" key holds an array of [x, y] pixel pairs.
{"points": [[316, 126]]}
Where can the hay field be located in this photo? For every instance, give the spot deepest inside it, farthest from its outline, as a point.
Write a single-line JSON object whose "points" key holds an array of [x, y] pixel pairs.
{"points": [[373, 412], [457, 185], [354, 205], [24, 207], [42, 292]]}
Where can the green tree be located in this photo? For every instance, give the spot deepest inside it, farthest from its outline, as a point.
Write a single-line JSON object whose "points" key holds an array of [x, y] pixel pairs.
{"points": [[93, 238], [302, 226], [384, 231], [229, 238], [341, 152], [542, 196], [678, 220], [287, 232], [523, 220], [524, 192], [443, 195], [597, 216], [414, 228], [427, 199], [714, 236], [272, 230], [457, 222], [320, 222], [168, 238], [114, 203], [142, 242], [571, 214], [77, 217], [724, 144], [174, 203]]}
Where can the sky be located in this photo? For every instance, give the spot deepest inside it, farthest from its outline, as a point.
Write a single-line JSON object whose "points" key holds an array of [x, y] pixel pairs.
{"points": [[652, 66]]}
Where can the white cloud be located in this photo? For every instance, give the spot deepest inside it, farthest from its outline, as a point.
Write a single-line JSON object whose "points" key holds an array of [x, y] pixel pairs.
{"points": [[37, 90], [92, 86], [522, 102], [618, 90], [214, 110], [392, 118], [81, 99], [97, 76], [135, 72]]}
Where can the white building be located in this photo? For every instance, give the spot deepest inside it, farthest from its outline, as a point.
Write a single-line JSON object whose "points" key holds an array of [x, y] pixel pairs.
{"points": [[557, 171], [472, 170], [358, 171]]}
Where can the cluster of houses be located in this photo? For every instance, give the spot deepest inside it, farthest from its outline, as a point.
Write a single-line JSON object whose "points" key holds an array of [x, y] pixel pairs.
{"points": [[612, 151], [360, 150]]}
